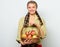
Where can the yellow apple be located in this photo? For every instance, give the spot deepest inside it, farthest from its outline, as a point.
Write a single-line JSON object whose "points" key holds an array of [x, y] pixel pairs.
{"points": [[34, 36], [24, 36]]}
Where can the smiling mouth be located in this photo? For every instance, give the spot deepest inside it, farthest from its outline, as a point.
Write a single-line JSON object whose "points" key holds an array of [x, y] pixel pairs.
{"points": [[31, 10]]}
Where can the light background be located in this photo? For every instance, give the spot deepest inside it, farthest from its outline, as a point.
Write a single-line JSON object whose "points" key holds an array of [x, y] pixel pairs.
{"points": [[12, 10]]}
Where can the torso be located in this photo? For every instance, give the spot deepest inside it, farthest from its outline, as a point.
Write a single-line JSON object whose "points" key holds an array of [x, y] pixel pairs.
{"points": [[32, 19], [30, 27]]}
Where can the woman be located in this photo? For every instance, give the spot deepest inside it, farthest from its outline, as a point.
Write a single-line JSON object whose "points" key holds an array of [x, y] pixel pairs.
{"points": [[32, 21]]}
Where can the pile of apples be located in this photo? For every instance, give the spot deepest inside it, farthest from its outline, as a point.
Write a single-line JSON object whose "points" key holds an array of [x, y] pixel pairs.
{"points": [[29, 35]]}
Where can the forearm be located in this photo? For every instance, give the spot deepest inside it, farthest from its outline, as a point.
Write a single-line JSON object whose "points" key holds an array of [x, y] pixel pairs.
{"points": [[42, 33]]}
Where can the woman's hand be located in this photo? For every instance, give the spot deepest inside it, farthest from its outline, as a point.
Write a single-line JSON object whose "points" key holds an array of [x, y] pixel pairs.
{"points": [[22, 43], [28, 41]]}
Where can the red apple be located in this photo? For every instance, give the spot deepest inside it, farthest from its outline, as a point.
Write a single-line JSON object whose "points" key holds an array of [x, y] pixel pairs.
{"points": [[33, 32], [27, 33], [29, 36]]}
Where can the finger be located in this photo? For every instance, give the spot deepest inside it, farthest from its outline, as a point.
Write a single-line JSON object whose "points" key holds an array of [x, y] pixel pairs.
{"points": [[24, 40], [28, 40], [23, 43]]}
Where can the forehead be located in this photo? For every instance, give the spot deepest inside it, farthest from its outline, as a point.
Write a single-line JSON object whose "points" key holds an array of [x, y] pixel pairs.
{"points": [[31, 4]]}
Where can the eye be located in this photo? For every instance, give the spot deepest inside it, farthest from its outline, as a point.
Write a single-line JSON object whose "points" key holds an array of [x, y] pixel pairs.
{"points": [[29, 7], [33, 7]]}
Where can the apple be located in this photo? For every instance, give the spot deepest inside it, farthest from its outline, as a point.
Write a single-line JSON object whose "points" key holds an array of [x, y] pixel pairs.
{"points": [[34, 36], [24, 36], [29, 36], [27, 33], [33, 32]]}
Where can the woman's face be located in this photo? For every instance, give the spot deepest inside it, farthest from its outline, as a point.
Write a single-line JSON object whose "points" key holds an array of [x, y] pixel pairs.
{"points": [[31, 8]]}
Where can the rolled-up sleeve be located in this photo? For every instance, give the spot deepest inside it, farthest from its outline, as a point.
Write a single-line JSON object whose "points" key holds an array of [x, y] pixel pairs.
{"points": [[20, 26], [43, 28]]}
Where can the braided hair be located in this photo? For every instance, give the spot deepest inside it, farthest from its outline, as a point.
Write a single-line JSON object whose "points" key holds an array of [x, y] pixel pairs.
{"points": [[26, 20]]}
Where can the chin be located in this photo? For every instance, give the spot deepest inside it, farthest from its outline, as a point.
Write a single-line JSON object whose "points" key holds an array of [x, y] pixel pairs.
{"points": [[32, 13]]}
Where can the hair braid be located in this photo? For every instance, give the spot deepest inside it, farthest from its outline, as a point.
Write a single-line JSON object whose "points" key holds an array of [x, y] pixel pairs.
{"points": [[39, 18], [26, 20]]}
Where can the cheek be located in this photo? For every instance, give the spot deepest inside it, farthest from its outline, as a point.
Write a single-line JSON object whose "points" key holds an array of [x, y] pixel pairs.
{"points": [[32, 10], [28, 9]]}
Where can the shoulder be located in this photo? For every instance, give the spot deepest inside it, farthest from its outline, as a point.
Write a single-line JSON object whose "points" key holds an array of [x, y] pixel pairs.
{"points": [[21, 19]]}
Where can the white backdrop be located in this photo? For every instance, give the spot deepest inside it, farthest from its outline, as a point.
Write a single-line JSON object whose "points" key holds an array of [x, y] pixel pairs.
{"points": [[12, 10]]}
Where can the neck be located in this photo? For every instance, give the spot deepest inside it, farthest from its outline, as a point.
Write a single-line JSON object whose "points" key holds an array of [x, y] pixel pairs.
{"points": [[32, 14]]}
